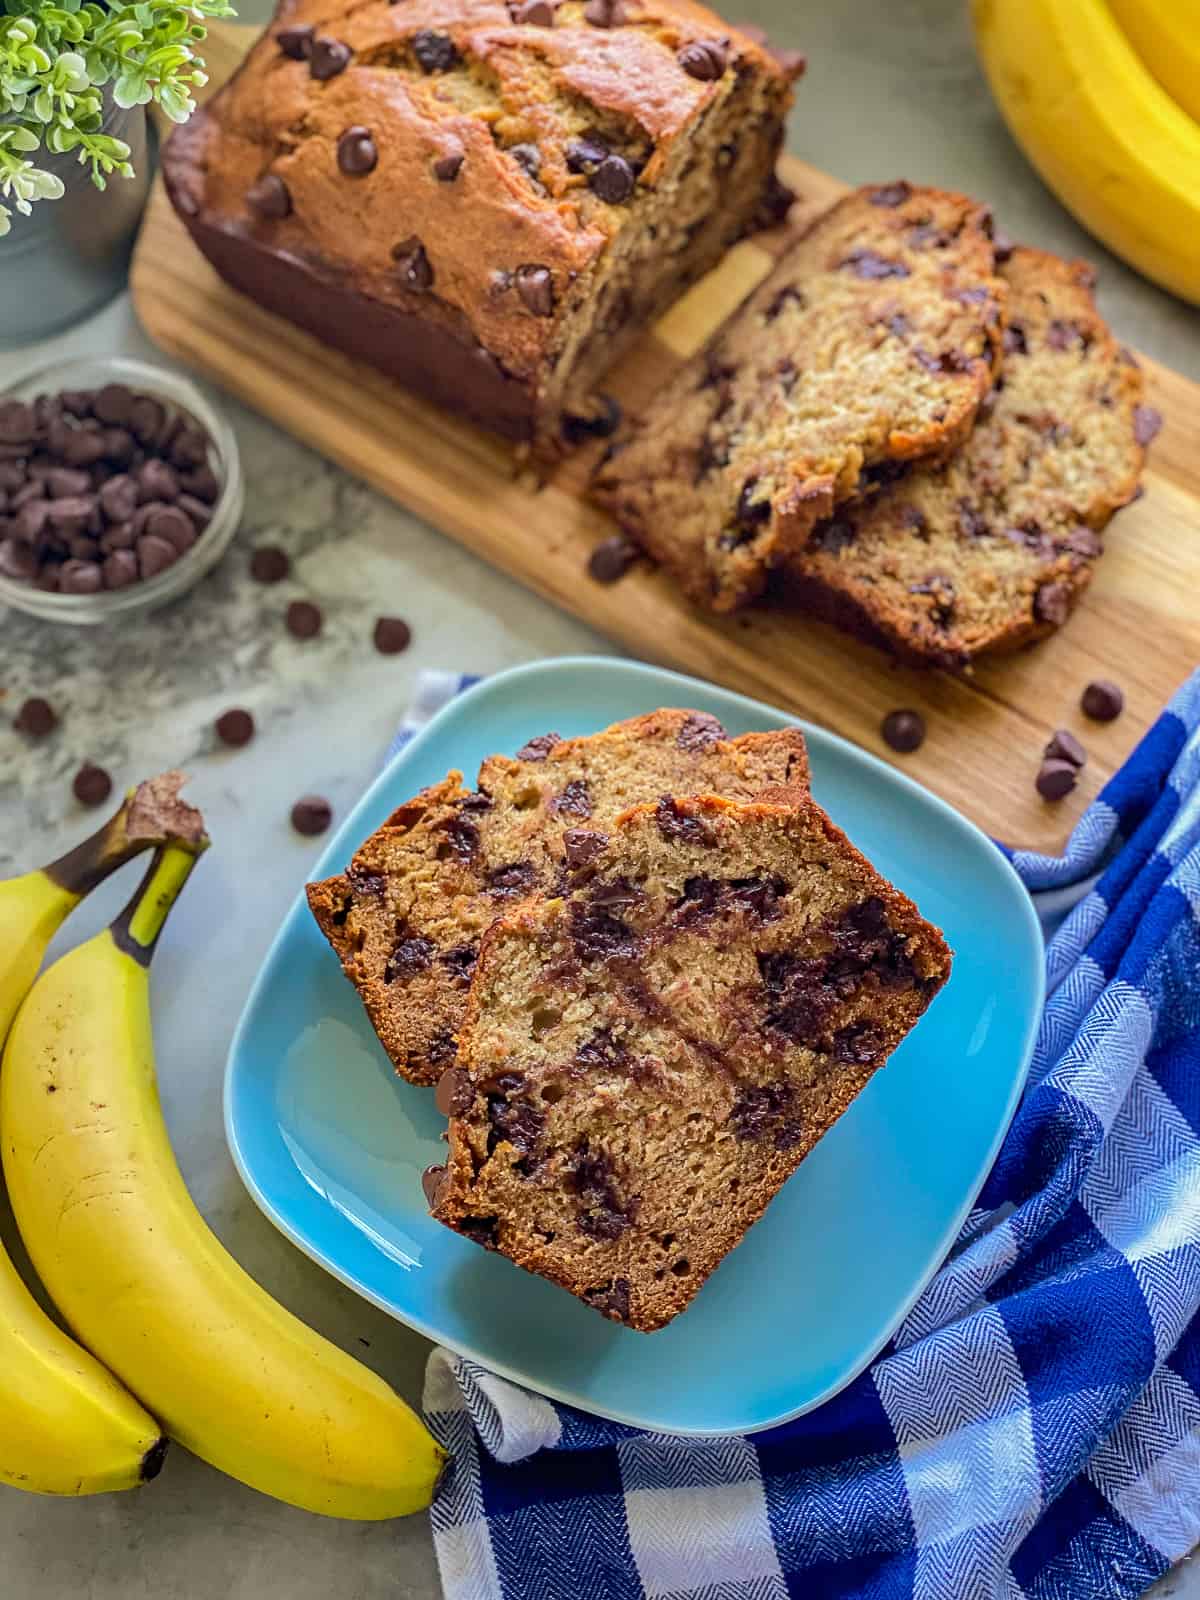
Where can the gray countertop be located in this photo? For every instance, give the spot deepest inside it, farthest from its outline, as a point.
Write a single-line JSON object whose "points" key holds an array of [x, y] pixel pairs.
{"points": [[893, 89]]}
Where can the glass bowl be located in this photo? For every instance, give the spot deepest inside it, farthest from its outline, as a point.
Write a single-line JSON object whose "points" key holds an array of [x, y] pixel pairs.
{"points": [[178, 394]]}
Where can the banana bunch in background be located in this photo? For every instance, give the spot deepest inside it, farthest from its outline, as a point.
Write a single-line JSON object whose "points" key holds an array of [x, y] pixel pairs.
{"points": [[157, 1303], [1104, 98]]}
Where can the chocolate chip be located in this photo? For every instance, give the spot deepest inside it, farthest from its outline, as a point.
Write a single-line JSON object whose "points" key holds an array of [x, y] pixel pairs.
{"points": [[454, 1094], [120, 568], [858, 1044], [1083, 541], [447, 167], [460, 961], [303, 619], [891, 194], [356, 152], [199, 514], [1056, 779], [613, 180], [777, 201], [391, 636], [1003, 245], [119, 498], [1052, 603], [311, 815], [173, 525], [1062, 334], [156, 480], [270, 564], [235, 728], [36, 718], [903, 730], [433, 1181], [585, 153], [328, 58], [1103, 700], [604, 13], [610, 1299], [78, 402], [202, 482], [80, 577], [113, 403], [83, 446], [415, 270], [704, 59], [435, 52], [296, 43], [575, 799], [528, 157], [752, 512], [1064, 746], [72, 515], [269, 198], [538, 748], [64, 483], [762, 1112], [147, 417], [16, 422], [700, 732], [155, 554], [870, 264], [1146, 424], [675, 822], [601, 424], [535, 285], [189, 447], [513, 881], [612, 559], [91, 785], [581, 846], [534, 14], [410, 957]]}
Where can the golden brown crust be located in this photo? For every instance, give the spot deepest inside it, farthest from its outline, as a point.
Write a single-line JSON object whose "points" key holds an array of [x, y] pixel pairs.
{"points": [[647, 1059], [994, 549], [406, 918], [871, 344]]}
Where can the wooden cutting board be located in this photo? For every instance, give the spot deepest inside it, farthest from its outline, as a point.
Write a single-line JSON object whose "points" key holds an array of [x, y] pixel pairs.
{"points": [[1139, 624]]}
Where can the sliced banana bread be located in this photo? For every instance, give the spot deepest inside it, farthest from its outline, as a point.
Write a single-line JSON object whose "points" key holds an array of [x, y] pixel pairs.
{"points": [[994, 548], [646, 1060], [406, 917], [870, 345]]}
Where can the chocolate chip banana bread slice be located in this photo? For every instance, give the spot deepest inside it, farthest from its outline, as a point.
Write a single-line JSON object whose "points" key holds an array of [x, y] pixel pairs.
{"points": [[994, 549], [869, 346], [648, 1058], [406, 917]]}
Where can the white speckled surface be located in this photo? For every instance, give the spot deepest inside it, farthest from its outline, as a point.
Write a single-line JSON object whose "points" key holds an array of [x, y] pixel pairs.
{"points": [[893, 88]]}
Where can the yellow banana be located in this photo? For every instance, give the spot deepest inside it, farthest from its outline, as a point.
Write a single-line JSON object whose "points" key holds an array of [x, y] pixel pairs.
{"points": [[136, 1272], [66, 1425], [1166, 34], [1112, 144]]}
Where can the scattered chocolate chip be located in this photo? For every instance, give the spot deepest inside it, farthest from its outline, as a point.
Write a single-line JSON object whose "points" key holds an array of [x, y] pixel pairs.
{"points": [[391, 635], [91, 785], [356, 152], [235, 728], [613, 180], [36, 718], [270, 564], [870, 264], [155, 554], [891, 194], [705, 59], [528, 157], [1083, 541], [1103, 700], [295, 43], [454, 1094], [435, 52], [699, 732], [410, 957], [1052, 603], [433, 1181], [581, 846], [1146, 424], [777, 201], [415, 270], [303, 619], [534, 14], [1056, 779], [601, 424], [311, 815], [903, 730], [328, 58], [604, 13], [448, 166], [538, 748], [269, 198], [612, 559], [575, 799], [1064, 746], [535, 285], [585, 153]]}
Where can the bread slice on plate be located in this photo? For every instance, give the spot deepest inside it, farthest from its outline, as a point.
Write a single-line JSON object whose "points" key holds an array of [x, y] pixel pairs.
{"points": [[649, 1056], [994, 548], [406, 917], [870, 345]]}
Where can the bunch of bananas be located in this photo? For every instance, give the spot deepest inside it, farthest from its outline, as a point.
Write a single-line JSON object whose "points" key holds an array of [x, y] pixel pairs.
{"points": [[1104, 98], [169, 1326]]}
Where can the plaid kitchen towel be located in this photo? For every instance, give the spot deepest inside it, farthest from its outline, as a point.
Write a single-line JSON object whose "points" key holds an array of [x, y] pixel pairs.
{"points": [[1034, 1427]]}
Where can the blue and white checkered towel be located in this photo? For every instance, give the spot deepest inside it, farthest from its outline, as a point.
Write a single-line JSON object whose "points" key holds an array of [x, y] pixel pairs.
{"points": [[1034, 1427]]}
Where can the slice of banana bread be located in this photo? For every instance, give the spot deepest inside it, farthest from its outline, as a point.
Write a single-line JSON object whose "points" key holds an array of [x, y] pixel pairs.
{"points": [[406, 917], [870, 345], [994, 548], [646, 1060]]}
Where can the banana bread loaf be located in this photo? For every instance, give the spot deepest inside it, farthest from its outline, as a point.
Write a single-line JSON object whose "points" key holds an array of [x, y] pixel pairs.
{"points": [[646, 1060], [870, 345], [993, 549], [406, 918], [484, 198]]}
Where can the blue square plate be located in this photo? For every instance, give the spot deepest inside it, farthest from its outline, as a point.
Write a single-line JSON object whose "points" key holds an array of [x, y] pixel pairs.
{"points": [[331, 1143]]}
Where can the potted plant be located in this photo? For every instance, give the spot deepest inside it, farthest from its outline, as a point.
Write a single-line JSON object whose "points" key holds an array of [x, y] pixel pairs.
{"points": [[75, 79]]}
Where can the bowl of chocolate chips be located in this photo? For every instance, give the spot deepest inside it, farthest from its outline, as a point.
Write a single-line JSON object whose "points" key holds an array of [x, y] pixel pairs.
{"points": [[120, 486]]}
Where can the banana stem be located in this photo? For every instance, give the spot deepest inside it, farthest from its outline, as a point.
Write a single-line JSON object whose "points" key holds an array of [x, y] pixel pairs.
{"points": [[137, 928], [151, 814]]}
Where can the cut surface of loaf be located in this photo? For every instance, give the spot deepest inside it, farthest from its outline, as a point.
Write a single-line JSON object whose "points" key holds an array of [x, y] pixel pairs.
{"points": [[486, 200], [646, 1060], [994, 548], [407, 916], [871, 344]]}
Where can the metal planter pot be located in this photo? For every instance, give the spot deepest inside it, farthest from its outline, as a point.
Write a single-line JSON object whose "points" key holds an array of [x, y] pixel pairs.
{"points": [[71, 255]]}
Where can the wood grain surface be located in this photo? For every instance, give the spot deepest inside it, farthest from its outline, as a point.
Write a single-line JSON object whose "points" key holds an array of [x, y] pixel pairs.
{"points": [[1139, 624]]}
